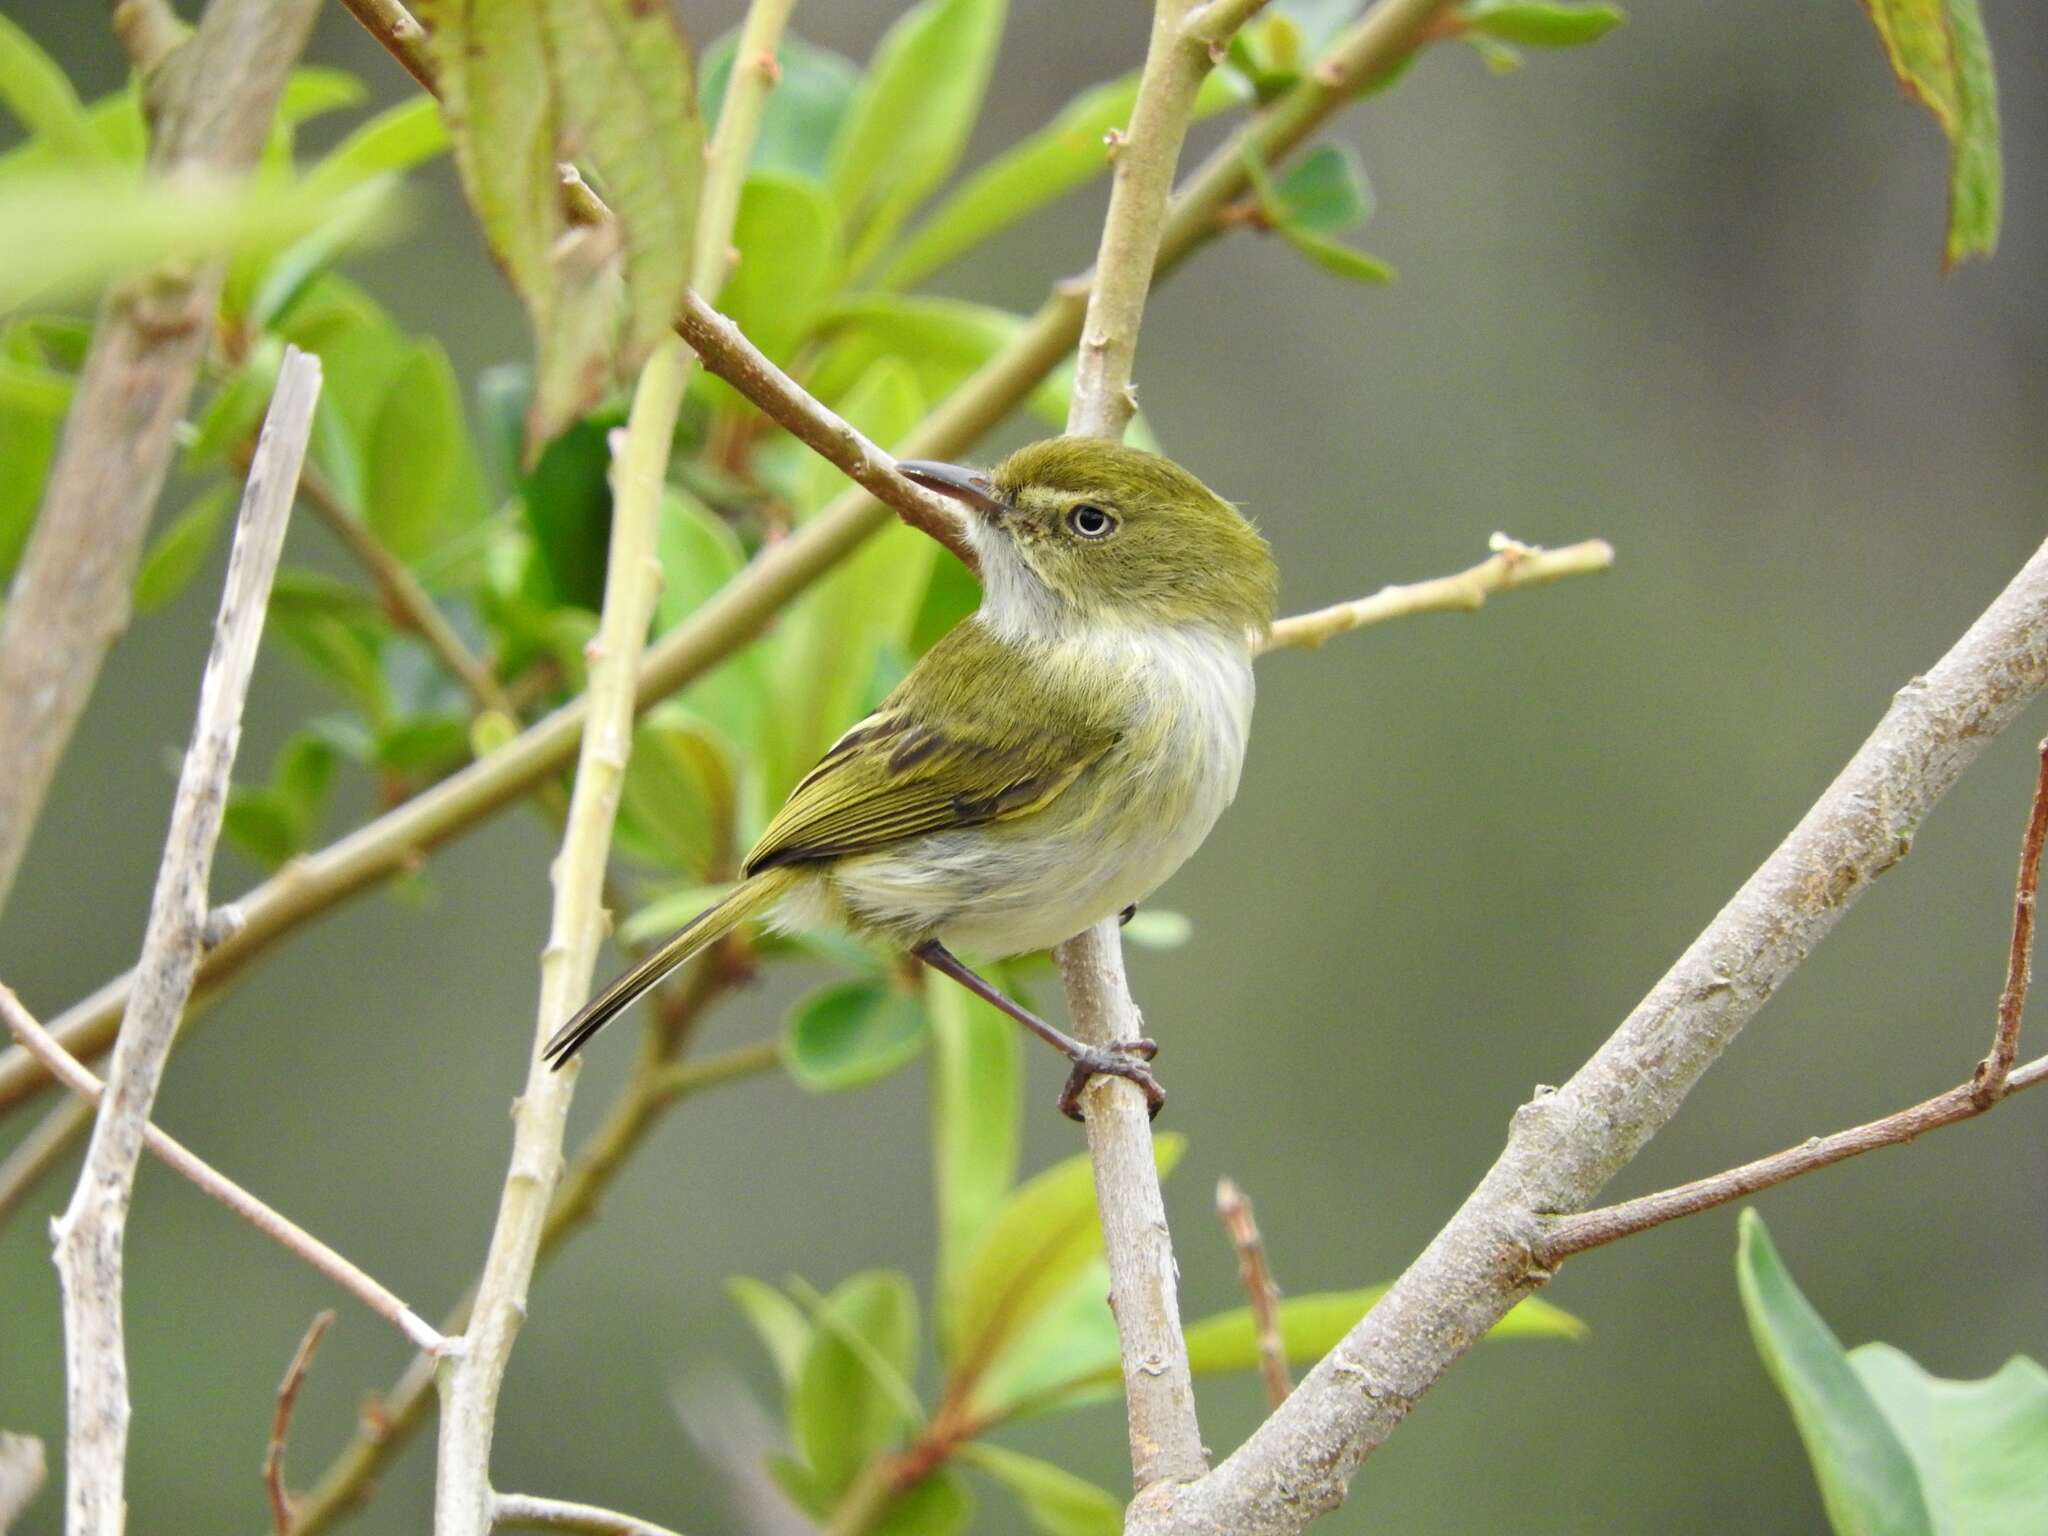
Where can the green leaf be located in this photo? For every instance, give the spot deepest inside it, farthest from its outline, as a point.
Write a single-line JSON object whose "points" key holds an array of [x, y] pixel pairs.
{"points": [[422, 481], [33, 400], [952, 594], [787, 234], [1536, 24], [909, 121], [1043, 1236], [1939, 51], [939, 1505], [843, 1407], [567, 500], [801, 120], [175, 555], [679, 801], [234, 415], [38, 93], [1340, 260], [523, 82], [311, 92], [977, 1080], [1156, 928], [1064, 1357], [851, 1033], [1312, 1325], [942, 340], [1867, 1481], [1979, 1448], [1326, 191], [396, 139], [336, 635], [275, 822], [260, 824], [424, 746], [777, 1321], [666, 913], [1062, 155], [1057, 1502]]}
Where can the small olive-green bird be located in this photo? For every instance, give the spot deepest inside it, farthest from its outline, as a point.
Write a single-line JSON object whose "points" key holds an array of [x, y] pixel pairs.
{"points": [[1050, 761]]}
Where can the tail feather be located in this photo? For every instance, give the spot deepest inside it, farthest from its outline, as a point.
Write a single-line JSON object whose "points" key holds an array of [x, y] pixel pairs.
{"points": [[709, 926]]}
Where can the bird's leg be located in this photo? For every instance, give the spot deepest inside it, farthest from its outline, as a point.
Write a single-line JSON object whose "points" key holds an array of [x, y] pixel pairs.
{"points": [[1125, 1058]]}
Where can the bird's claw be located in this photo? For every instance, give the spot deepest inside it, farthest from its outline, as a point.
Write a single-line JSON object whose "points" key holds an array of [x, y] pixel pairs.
{"points": [[1122, 1058]]}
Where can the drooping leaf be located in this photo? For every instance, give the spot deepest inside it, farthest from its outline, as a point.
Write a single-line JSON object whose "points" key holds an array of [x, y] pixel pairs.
{"points": [[1867, 1481], [1054, 1499], [777, 1321], [1337, 259], [845, 1406], [1542, 23], [1941, 55], [36, 90], [910, 118], [976, 1076], [1030, 1251], [1066, 152], [175, 555], [608, 83], [852, 1033]]}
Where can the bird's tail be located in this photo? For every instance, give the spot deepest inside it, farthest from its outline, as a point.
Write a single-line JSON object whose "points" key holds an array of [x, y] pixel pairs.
{"points": [[752, 897]]}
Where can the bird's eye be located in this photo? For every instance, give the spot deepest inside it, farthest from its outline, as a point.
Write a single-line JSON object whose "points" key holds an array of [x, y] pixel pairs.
{"points": [[1090, 521]]}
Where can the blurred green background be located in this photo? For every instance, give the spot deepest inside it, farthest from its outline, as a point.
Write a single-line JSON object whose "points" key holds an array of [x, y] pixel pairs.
{"points": [[1679, 289]]}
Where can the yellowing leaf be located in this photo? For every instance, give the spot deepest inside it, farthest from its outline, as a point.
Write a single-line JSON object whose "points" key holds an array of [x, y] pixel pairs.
{"points": [[1939, 51]]}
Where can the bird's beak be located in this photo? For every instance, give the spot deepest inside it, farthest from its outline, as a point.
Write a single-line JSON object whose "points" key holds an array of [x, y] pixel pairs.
{"points": [[972, 488]]}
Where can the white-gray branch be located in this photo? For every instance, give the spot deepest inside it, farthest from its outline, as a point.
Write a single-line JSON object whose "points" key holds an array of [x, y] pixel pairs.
{"points": [[88, 1236], [1565, 1145]]}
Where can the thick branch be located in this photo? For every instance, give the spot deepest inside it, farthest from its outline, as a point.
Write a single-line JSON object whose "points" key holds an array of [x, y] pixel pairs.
{"points": [[70, 597], [1565, 1145], [1512, 565], [394, 842], [209, 1181], [88, 1236]]}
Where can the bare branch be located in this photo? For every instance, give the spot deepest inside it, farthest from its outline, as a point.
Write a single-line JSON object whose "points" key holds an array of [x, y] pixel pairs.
{"points": [[1566, 1144], [523, 1511], [88, 1236], [1256, 1276], [1989, 1083], [281, 1422], [726, 352], [401, 34], [70, 597], [1512, 565], [22, 1470], [173, 1155]]}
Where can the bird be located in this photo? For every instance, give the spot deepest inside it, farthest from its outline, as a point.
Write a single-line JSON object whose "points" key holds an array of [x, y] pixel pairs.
{"points": [[1048, 763]]}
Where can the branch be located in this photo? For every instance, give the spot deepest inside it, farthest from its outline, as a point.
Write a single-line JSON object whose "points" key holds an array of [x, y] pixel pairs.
{"points": [[281, 1422], [470, 1384], [401, 34], [754, 73], [88, 1236], [1256, 1276], [409, 601], [395, 842], [1512, 566], [1159, 1388], [1565, 1145], [208, 1180], [70, 597], [1993, 1080], [523, 1511], [22, 1470], [726, 352]]}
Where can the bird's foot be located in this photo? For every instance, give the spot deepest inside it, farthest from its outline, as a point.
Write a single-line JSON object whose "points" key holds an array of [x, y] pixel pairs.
{"points": [[1123, 1058]]}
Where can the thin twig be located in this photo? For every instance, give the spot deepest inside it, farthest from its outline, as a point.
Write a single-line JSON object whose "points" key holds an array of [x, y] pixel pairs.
{"points": [[1989, 1083], [1234, 1210], [22, 1470], [726, 352], [523, 1511], [394, 843], [70, 598], [1566, 1144], [407, 599], [88, 1236], [1512, 565], [400, 33], [281, 1422], [67, 1070]]}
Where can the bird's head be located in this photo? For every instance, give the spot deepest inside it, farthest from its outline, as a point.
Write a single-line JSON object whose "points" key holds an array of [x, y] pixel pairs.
{"points": [[1075, 529]]}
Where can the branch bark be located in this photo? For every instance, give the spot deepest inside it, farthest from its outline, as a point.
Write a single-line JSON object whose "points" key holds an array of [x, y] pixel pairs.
{"points": [[526, 1512], [88, 1236], [281, 1423], [1255, 1276], [1565, 1145], [70, 597], [395, 841]]}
